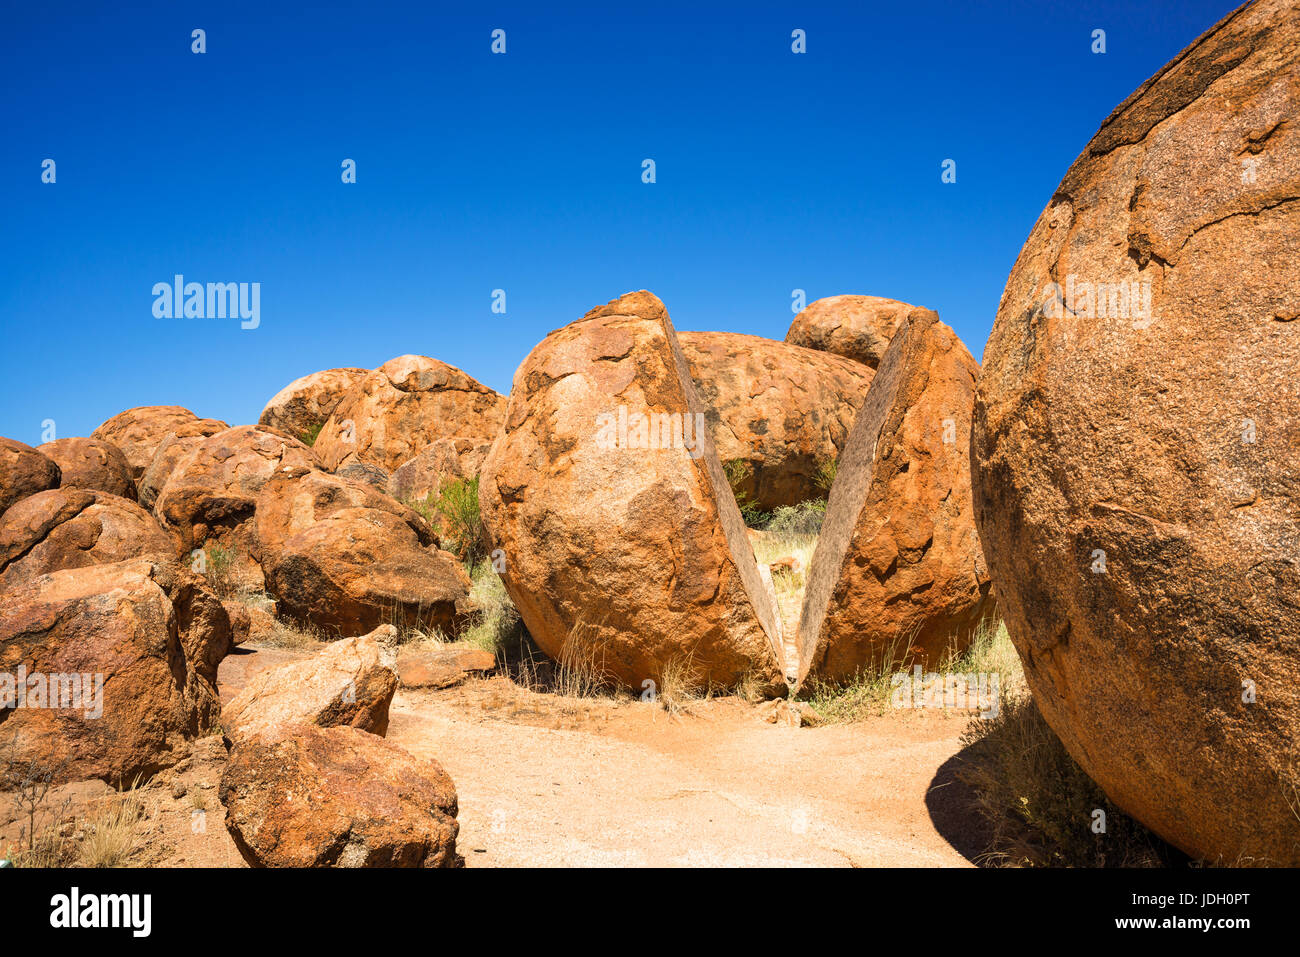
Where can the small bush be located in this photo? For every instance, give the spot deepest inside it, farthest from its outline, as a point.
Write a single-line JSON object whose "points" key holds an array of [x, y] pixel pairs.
{"points": [[738, 473], [311, 434], [496, 624], [453, 510], [824, 476], [797, 521]]}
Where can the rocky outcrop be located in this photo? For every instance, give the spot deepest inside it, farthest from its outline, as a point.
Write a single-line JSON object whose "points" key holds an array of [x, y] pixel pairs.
{"points": [[117, 665], [23, 472], [138, 432], [90, 464], [211, 494], [347, 558], [898, 574], [783, 411], [1136, 448], [351, 682], [404, 406], [306, 403], [170, 451], [624, 549], [855, 327], [74, 528], [338, 797]]}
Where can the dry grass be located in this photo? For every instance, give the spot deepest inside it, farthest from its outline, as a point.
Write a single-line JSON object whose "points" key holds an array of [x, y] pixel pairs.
{"points": [[1039, 804], [114, 834], [679, 684], [870, 693], [496, 625]]}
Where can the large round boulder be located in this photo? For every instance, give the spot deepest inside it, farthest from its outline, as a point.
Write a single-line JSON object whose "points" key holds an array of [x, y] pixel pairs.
{"points": [[856, 327], [91, 464], [116, 666], [782, 410], [138, 432], [624, 550], [898, 575], [404, 406], [72, 528], [23, 472], [305, 404], [338, 797], [346, 558], [1136, 448]]}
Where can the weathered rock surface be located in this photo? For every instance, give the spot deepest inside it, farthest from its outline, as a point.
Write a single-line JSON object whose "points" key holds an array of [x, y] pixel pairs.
{"points": [[898, 573], [170, 450], [91, 464], [407, 404], [212, 490], [443, 461], [138, 432], [338, 797], [307, 402], [153, 635], [346, 557], [351, 682], [442, 666], [855, 327], [73, 528], [1136, 448], [621, 555], [367, 474], [23, 472], [783, 410]]}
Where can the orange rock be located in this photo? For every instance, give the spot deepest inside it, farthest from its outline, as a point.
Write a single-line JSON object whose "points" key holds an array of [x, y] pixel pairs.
{"points": [[782, 409], [856, 327], [347, 558], [898, 571], [23, 472], [442, 666], [407, 404], [212, 490], [170, 450], [350, 682], [1136, 448], [91, 464], [151, 636], [443, 461], [338, 797], [623, 546], [73, 528], [307, 402], [138, 432]]}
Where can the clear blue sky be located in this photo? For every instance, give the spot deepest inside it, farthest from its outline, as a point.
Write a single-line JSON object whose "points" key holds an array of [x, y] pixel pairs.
{"points": [[477, 171]]}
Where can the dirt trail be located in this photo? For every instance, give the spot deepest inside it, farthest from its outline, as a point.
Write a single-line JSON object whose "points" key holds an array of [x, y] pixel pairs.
{"points": [[550, 781], [554, 782]]}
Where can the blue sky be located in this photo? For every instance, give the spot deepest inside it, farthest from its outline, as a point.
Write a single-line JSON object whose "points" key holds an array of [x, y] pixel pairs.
{"points": [[521, 172]]}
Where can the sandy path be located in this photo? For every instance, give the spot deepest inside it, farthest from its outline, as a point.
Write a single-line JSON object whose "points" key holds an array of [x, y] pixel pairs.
{"points": [[549, 782]]}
